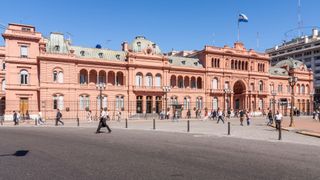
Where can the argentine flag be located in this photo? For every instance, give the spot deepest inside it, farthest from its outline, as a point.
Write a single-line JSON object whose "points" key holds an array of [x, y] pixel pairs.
{"points": [[242, 18]]}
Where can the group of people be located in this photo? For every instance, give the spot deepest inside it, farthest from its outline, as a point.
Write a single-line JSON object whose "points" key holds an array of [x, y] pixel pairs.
{"points": [[277, 117], [17, 117]]}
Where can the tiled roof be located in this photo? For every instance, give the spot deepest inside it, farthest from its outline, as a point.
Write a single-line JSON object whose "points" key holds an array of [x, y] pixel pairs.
{"points": [[184, 61], [107, 54], [278, 71]]}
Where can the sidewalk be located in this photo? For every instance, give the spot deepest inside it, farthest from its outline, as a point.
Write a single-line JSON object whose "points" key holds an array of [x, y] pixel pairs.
{"points": [[258, 130]]}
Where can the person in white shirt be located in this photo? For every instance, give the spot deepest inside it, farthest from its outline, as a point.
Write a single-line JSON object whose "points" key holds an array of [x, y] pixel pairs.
{"points": [[103, 121], [278, 118], [220, 116]]}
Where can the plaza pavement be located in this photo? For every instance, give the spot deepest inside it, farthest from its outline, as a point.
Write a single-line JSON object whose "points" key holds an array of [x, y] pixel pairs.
{"points": [[258, 130]]}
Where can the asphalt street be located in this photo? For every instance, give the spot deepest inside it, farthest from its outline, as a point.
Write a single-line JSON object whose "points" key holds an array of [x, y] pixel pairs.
{"points": [[79, 153]]}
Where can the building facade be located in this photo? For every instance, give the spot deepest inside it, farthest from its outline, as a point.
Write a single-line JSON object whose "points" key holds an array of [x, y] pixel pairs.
{"points": [[48, 73], [305, 49]]}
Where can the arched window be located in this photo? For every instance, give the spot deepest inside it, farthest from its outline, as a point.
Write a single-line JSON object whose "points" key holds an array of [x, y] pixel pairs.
{"points": [[232, 64], [139, 79], [215, 103], [58, 101], [104, 102], [55, 76], [60, 77], [83, 76], [3, 85], [199, 103], [260, 86], [302, 89], [149, 80], [186, 103], [193, 83], [84, 102], [174, 100], [158, 80], [180, 82], [214, 83], [24, 77]]}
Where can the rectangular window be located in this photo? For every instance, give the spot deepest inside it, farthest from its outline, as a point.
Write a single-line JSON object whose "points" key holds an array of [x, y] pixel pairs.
{"points": [[24, 51]]}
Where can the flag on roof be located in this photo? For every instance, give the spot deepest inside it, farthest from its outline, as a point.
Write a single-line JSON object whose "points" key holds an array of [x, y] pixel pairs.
{"points": [[242, 18]]}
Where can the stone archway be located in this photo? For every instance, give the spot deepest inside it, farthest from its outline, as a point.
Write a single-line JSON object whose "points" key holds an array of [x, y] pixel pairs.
{"points": [[239, 93]]}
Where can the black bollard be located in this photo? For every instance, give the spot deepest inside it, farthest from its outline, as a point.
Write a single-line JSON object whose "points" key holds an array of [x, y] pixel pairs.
{"points": [[154, 124], [188, 126], [228, 128], [36, 122], [78, 122], [1, 121], [280, 130], [126, 122]]}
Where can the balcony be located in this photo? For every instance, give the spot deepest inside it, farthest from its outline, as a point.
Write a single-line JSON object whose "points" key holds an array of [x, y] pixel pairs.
{"points": [[186, 89], [148, 88], [216, 91]]}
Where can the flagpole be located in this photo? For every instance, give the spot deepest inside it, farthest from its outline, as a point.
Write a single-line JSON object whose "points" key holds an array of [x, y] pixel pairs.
{"points": [[238, 32]]}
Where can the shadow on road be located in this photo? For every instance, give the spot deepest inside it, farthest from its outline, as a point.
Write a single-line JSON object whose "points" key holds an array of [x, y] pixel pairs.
{"points": [[19, 153]]}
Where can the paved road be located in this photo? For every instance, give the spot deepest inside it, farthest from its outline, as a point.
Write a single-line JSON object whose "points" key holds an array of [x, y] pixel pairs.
{"points": [[78, 153]]}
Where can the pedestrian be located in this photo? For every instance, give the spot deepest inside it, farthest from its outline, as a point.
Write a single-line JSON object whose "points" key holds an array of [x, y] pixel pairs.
{"points": [[314, 115], [220, 116], [270, 118], [103, 121], [214, 115], [229, 113], [119, 116], [248, 116], [241, 117], [39, 119], [18, 117], [15, 118], [278, 118], [58, 117], [27, 115], [89, 116], [188, 114]]}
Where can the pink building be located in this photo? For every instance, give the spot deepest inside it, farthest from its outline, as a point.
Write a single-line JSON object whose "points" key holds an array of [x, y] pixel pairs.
{"points": [[46, 73]]}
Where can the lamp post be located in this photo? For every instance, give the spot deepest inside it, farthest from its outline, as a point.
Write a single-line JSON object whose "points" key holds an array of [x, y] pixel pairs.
{"points": [[166, 89], [273, 94], [292, 81], [227, 92], [101, 86]]}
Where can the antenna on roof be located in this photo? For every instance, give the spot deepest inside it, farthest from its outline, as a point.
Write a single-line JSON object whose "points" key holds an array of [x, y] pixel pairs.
{"points": [[299, 18]]}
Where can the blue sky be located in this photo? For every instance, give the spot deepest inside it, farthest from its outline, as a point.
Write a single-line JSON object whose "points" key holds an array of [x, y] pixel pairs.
{"points": [[177, 24]]}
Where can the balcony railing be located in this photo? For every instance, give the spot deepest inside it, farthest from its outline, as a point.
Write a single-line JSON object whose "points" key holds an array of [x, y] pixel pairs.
{"points": [[147, 88]]}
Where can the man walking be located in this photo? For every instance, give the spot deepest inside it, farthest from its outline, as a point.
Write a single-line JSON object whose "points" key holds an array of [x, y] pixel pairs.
{"points": [[58, 117], [15, 118], [103, 121], [241, 117], [278, 118], [220, 116]]}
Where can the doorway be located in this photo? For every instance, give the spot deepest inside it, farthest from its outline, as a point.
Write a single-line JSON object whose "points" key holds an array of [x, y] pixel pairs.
{"points": [[24, 106]]}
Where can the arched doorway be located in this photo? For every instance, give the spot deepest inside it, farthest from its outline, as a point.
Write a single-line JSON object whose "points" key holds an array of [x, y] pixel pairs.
{"points": [[239, 90]]}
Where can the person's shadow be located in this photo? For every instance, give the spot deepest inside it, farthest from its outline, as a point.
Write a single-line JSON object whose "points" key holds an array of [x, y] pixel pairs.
{"points": [[18, 153]]}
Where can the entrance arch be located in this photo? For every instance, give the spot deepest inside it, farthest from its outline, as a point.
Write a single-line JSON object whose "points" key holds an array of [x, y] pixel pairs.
{"points": [[239, 90]]}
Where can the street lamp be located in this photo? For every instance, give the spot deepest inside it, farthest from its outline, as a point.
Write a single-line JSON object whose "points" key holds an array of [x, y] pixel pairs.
{"points": [[274, 93], [166, 89], [227, 92], [292, 81], [101, 86]]}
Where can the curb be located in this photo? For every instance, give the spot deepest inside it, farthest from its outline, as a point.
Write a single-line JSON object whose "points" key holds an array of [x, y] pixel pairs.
{"points": [[317, 135]]}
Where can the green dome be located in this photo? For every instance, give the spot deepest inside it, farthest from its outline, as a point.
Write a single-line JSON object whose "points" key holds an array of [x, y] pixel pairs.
{"points": [[141, 44]]}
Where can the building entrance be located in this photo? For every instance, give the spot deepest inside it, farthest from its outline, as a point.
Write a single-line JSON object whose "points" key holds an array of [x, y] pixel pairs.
{"points": [[239, 90]]}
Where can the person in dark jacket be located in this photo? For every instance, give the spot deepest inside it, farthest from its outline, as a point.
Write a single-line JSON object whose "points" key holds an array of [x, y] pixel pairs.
{"points": [[270, 117], [58, 117], [15, 118]]}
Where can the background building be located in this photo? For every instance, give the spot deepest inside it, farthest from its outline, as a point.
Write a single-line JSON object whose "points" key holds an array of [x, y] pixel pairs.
{"points": [[305, 49], [48, 73]]}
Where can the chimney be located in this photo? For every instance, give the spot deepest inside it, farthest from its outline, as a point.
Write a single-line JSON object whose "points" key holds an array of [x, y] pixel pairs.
{"points": [[314, 33], [125, 46]]}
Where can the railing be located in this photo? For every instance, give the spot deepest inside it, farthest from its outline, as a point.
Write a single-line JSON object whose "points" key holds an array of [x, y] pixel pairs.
{"points": [[147, 88]]}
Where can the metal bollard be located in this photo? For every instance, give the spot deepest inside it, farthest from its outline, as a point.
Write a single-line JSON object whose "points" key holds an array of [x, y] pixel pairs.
{"points": [[228, 128], [126, 122], [154, 124], [36, 122], [1, 122], [188, 126], [279, 130], [78, 122]]}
